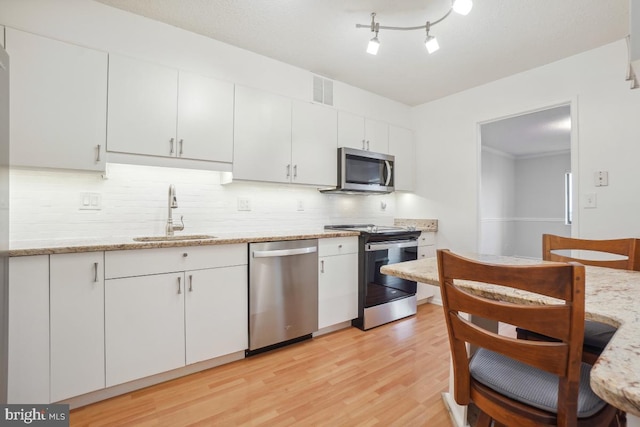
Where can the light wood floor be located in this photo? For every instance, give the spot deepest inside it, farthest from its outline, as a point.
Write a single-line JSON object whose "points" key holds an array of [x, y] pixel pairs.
{"points": [[392, 375]]}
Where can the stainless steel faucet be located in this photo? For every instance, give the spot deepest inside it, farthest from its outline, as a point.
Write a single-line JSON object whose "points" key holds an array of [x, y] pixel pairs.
{"points": [[173, 203]]}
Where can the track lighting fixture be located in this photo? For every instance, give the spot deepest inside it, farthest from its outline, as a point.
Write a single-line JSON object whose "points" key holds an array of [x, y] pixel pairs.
{"points": [[431, 42], [374, 43], [462, 7]]}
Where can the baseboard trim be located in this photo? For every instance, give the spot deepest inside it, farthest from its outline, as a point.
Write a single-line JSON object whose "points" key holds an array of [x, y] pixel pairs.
{"points": [[109, 392]]}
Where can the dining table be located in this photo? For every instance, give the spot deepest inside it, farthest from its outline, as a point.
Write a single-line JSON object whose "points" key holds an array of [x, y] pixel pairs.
{"points": [[612, 296]]}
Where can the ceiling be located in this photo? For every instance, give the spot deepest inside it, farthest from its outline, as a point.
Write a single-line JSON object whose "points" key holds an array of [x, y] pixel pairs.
{"points": [[543, 131], [498, 38]]}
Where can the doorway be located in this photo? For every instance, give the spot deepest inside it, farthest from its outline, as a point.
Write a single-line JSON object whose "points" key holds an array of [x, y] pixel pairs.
{"points": [[525, 181]]}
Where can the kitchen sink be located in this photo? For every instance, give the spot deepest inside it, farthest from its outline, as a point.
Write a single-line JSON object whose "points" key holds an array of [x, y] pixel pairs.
{"points": [[173, 238]]}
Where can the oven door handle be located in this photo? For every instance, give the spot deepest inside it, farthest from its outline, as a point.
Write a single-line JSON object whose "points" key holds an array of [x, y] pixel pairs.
{"points": [[370, 247]]}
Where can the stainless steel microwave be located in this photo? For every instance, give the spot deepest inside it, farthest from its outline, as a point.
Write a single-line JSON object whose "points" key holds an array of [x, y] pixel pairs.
{"points": [[362, 172]]}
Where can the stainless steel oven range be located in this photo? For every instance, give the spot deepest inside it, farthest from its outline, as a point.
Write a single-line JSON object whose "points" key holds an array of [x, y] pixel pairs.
{"points": [[381, 298]]}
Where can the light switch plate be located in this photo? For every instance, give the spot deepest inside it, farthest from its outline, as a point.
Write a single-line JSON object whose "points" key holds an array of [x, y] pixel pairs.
{"points": [[590, 201], [90, 201], [244, 204]]}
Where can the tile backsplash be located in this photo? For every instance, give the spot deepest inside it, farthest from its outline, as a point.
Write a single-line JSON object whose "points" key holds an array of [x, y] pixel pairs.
{"points": [[45, 204]]}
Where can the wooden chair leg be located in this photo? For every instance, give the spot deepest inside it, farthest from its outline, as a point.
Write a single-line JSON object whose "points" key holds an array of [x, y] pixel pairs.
{"points": [[484, 420]]}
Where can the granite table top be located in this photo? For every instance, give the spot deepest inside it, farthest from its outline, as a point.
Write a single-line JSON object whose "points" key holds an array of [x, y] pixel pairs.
{"points": [[612, 297]]}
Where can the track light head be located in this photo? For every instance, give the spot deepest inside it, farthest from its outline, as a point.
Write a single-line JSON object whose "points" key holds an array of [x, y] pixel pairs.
{"points": [[432, 44], [463, 7], [373, 46]]}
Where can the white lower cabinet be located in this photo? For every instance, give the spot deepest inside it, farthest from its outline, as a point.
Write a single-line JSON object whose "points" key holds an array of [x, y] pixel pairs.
{"points": [[215, 312], [28, 376], [77, 324], [144, 326], [338, 280], [426, 249], [157, 321]]}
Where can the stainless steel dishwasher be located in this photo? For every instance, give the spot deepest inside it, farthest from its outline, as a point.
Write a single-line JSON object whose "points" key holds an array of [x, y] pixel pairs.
{"points": [[283, 293]]}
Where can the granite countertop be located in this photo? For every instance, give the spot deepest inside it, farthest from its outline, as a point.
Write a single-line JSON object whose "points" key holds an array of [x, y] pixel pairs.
{"points": [[611, 297], [63, 246], [419, 224]]}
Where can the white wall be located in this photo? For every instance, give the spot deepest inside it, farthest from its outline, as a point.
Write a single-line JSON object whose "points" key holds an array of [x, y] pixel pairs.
{"points": [[605, 137], [539, 194], [497, 203]]}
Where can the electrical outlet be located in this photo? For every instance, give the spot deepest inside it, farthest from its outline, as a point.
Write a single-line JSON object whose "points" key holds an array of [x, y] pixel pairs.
{"points": [[244, 204], [601, 178]]}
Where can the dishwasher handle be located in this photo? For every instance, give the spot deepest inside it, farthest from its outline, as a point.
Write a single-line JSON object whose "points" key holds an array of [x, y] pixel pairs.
{"points": [[284, 252]]}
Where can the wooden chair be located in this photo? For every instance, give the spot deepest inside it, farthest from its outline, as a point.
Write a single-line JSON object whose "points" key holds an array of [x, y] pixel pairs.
{"points": [[519, 382], [596, 334], [623, 247]]}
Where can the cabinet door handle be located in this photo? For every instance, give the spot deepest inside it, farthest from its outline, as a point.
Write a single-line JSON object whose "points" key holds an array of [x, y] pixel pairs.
{"points": [[171, 145], [190, 283], [179, 285], [181, 141], [185, 254], [364, 144], [295, 171], [288, 171], [95, 272], [322, 266], [367, 145], [339, 246], [98, 154]]}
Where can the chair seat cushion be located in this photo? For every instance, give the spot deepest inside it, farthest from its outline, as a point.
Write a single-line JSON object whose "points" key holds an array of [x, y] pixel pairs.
{"points": [[596, 335], [530, 385]]}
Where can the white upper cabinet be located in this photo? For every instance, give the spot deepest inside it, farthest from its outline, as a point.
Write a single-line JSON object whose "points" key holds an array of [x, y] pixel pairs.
{"points": [[159, 111], [363, 134], [280, 140], [58, 103], [351, 131], [314, 143], [143, 102], [377, 135], [262, 136], [401, 146], [205, 118]]}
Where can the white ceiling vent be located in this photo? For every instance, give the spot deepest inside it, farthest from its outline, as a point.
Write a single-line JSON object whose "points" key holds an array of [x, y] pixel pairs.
{"points": [[322, 90]]}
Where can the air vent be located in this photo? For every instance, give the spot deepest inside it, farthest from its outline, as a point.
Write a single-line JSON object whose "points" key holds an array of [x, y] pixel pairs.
{"points": [[322, 90]]}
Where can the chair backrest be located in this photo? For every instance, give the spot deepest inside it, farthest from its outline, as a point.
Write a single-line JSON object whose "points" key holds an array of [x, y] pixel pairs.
{"points": [[563, 320], [623, 247]]}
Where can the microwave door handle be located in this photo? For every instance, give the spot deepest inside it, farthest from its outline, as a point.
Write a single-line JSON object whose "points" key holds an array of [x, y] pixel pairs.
{"points": [[388, 165]]}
